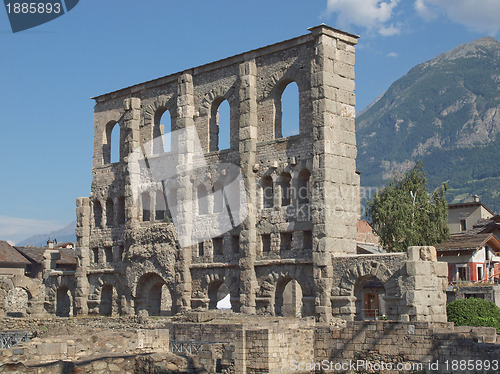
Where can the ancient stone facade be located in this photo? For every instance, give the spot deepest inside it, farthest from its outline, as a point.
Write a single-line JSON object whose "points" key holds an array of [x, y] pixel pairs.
{"points": [[294, 251]]}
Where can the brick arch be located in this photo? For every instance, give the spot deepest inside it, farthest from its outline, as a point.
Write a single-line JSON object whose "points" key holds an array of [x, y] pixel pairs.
{"points": [[277, 82], [216, 94], [161, 103], [365, 269]]}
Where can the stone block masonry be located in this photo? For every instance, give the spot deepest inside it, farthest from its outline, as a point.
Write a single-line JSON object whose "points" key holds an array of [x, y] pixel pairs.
{"points": [[293, 253]]}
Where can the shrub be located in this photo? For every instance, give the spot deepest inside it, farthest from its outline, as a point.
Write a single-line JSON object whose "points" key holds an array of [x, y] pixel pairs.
{"points": [[474, 312]]}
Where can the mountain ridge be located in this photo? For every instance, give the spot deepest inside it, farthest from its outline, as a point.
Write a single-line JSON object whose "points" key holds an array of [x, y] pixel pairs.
{"points": [[445, 106]]}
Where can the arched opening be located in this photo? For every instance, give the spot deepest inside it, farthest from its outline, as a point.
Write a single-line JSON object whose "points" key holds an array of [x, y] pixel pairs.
{"points": [[218, 295], [146, 206], [285, 186], [16, 302], [220, 126], [162, 132], [97, 214], [304, 187], [287, 112], [160, 206], [64, 302], [111, 151], [219, 199], [106, 302], [369, 292], [202, 199], [153, 295], [120, 214], [267, 191], [110, 214], [288, 302]]}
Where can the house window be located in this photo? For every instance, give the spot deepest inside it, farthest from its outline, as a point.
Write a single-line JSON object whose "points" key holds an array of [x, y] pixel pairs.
{"points": [[201, 249], [463, 273], [480, 274], [95, 255], [463, 225]]}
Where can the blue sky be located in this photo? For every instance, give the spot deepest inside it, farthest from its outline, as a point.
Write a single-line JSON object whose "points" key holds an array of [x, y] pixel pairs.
{"points": [[49, 73]]}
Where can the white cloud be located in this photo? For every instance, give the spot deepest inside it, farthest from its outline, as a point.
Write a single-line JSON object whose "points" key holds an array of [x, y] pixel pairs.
{"points": [[16, 229], [478, 15], [389, 30], [424, 11], [372, 14], [392, 54]]}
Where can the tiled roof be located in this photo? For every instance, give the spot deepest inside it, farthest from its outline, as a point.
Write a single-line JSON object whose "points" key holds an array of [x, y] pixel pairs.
{"points": [[9, 255], [468, 242], [36, 255]]}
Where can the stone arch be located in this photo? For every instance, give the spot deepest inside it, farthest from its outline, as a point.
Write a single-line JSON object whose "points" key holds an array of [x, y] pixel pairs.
{"points": [[288, 298], [107, 300], [273, 288], [369, 295], [355, 278], [285, 184], [109, 146], [153, 295], [267, 191], [152, 115], [216, 94], [64, 302]]}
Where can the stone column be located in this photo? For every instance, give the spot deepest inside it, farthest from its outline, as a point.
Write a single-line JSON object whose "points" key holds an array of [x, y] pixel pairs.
{"points": [[424, 286], [184, 211], [248, 149], [83, 217], [335, 200], [129, 142]]}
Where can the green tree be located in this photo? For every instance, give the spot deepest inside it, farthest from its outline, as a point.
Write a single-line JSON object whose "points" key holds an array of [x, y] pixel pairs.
{"points": [[405, 214]]}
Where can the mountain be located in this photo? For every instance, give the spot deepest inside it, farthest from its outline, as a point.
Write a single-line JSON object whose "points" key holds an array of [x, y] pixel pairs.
{"points": [[445, 112], [66, 234]]}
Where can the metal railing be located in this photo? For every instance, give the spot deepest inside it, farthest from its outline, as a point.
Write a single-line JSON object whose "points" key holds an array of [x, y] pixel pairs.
{"points": [[10, 339]]}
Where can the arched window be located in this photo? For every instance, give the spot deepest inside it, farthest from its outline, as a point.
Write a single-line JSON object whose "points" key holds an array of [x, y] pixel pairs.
{"points": [[220, 128], [146, 206], [267, 191], [287, 112], [120, 217], [219, 199], [304, 187], [97, 214], [110, 214], [111, 150], [285, 184], [162, 132], [202, 199], [160, 206]]}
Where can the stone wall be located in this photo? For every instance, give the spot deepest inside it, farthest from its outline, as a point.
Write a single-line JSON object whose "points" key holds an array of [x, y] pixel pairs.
{"points": [[126, 240], [226, 342]]}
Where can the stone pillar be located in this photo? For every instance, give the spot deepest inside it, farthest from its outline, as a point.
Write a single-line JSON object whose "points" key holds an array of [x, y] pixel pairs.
{"points": [[335, 192], [185, 122], [83, 216], [248, 149], [424, 286]]}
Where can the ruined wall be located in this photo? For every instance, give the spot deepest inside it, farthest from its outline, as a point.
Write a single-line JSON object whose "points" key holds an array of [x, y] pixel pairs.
{"points": [[125, 239]]}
